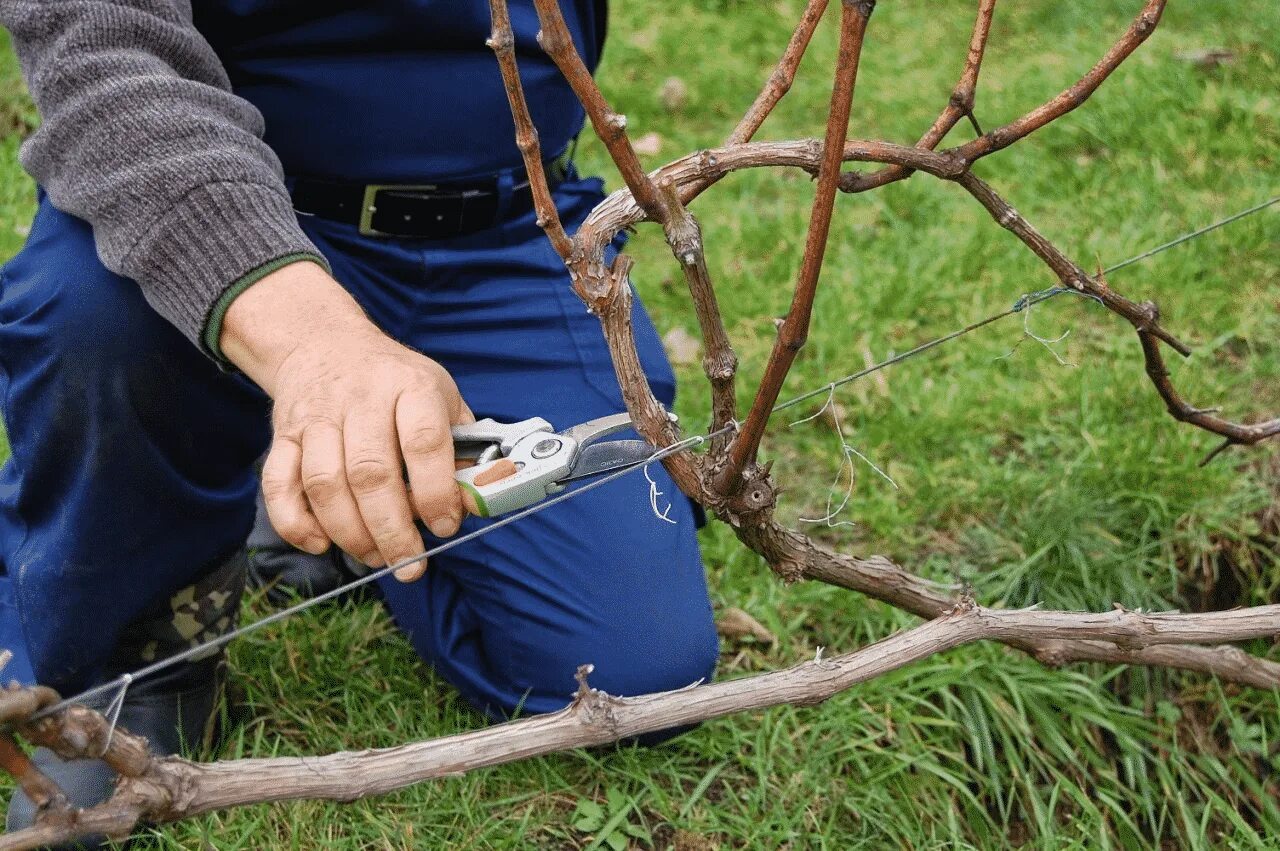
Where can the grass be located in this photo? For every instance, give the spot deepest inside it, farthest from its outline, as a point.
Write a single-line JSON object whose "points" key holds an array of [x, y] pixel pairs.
{"points": [[1031, 481]]}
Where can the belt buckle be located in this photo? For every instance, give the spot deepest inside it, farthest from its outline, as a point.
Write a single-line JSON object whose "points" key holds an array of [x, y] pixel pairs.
{"points": [[369, 204]]}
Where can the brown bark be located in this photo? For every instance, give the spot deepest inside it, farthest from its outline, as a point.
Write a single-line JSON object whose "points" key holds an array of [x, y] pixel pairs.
{"points": [[1073, 96], [503, 44], [610, 126], [170, 789], [960, 105], [794, 330], [779, 82], [719, 363]]}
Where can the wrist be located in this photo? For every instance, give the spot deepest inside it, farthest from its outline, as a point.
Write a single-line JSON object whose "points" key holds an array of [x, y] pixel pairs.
{"points": [[292, 307], [211, 334]]}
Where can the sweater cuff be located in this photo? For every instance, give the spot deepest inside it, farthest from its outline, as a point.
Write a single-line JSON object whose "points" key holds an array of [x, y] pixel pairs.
{"points": [[213, 325], [214, 238]]}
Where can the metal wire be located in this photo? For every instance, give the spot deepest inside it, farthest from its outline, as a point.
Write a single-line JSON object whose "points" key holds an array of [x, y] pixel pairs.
{"points": [[1187, 237], [117, 684], [1025, 302]]}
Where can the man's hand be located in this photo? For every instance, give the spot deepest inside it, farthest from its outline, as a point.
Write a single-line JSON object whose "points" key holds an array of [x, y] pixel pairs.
{"points": [[353, 409]]}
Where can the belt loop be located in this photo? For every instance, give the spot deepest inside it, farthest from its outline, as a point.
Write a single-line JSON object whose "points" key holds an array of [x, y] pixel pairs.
{"points": [[506, 187]]}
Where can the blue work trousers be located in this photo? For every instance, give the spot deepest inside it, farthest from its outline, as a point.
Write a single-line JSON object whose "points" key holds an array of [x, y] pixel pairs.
{"points": [[132, 467]]}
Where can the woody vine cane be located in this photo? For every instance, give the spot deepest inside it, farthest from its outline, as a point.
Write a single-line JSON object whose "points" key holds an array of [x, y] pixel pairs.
{"points": [[727, 478], [86, 733], [728, 481]]}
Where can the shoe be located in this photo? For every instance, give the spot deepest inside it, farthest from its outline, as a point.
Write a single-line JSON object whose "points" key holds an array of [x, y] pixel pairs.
{"points": [[173, 709], [286, 573]]}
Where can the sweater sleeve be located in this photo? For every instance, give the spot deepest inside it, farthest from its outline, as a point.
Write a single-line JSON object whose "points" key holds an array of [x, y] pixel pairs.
{"points": [[142, 137]]}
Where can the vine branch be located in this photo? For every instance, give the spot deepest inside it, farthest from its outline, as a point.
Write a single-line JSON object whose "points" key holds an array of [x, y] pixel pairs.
{"points": [[794, 330], [503, 43], [959, 105], [156, 790], [783, 75]]}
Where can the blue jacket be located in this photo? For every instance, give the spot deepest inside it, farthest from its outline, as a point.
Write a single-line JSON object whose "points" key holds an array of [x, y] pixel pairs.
{"points": [[393, 90]]}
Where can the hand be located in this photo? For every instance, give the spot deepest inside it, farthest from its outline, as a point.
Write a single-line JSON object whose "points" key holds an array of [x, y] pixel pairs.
{"points": [[353, 410]]}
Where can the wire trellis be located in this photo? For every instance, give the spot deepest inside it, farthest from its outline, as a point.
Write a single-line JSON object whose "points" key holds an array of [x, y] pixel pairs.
{"points": [[117, 686]]}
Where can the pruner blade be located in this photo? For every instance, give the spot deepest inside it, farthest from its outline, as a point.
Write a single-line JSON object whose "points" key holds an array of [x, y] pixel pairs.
{"points": [[596, 458], [522, 463], [599, 458]]}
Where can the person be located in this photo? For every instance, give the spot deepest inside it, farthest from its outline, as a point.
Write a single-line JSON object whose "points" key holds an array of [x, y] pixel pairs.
{"points": [[306, 226]]}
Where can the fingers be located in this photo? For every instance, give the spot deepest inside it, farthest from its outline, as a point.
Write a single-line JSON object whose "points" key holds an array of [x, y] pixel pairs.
{"points": [[357, 411], [464, 416], [287, 507], [324, 480], [373, 470], [423, 430]]}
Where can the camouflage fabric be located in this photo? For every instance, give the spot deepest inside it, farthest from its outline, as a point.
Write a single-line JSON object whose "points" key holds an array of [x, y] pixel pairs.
{"points": [[204, 610]]}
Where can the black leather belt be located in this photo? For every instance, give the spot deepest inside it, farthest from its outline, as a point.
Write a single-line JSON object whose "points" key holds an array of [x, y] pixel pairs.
{"points": [[422, 211]]}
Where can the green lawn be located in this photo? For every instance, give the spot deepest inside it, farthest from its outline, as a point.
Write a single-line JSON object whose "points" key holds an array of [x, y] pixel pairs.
{"points": [[1031, 481]]}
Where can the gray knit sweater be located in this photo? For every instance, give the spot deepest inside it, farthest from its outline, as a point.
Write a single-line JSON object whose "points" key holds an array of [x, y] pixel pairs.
{"points": [[142, 138]]}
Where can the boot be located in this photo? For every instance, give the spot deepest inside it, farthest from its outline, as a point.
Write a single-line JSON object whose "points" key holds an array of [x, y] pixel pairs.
{"points": [[285, 572], [172, 709]]}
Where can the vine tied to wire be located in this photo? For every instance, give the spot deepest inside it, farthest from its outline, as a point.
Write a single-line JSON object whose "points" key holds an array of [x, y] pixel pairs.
{"points": [[116, 685]]}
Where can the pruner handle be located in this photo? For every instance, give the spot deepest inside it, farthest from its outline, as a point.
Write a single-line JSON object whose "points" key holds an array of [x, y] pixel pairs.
{"points": [[500, 487], [476, 440]]}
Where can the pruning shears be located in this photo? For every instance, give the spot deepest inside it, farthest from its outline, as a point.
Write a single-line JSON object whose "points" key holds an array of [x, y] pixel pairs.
{"points": [[518, 464]]}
